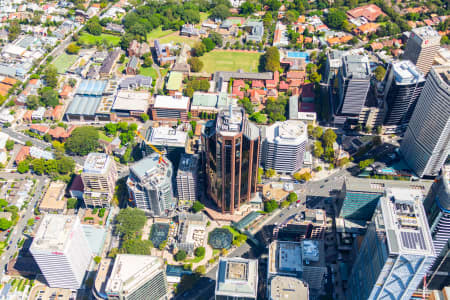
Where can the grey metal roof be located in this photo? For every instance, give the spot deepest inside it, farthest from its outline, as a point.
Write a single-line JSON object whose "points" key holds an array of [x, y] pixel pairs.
{"points": [[91, 87], [7, 71], [293, 108], [83, 105], [133, 62], [243, 75], [138, 80]]}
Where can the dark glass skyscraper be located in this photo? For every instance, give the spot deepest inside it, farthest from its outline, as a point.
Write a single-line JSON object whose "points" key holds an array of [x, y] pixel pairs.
{"points": [[404, 85], [232, 159]]}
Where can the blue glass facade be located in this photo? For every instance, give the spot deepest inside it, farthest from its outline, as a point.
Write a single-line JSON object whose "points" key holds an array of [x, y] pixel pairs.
{"points": [[359, 205]]}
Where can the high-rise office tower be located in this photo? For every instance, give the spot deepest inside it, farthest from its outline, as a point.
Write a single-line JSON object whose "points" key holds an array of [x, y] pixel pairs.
{"points": [[150, 185], [437, 207], [99, 179], [232, 158], [237, 279], [61, 251], [283, 146], [426, 143], [396, 251], [137, 277], [422, 47], [354, 84], [404, 84], [187, 179]]}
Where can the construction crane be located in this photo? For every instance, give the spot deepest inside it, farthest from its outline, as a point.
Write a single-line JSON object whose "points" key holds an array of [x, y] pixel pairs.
{"points": [[161, 159]]}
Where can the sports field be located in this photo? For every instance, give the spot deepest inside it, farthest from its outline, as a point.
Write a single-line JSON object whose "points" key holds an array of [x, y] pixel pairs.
{"points": [[64, 61], [178, 39], [89, 39], [158, 33], [218, 60]]}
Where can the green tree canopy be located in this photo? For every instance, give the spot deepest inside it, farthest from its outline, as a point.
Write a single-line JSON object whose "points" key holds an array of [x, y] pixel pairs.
{"points": [[5, 224], [130, 221], [329, 137], [292, 197], [379, 72], [181, 255], [271, 59], [33, 102], [23, 167], [49, 97], [270, 206], [72, 203], [336, 18], [83, 140], [209, 44], [196, 64], [200, 251], [197, 206], [137, 246], [221, 12], [51, 76]]}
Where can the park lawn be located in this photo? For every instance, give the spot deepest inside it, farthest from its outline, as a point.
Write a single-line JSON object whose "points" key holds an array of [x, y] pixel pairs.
{"points": [[158, 33], [195, 259], [178, 39], [104, 137], [216, 252], [230, 61], [233, 231], [148, 72], [64, 61], [86, 38]]}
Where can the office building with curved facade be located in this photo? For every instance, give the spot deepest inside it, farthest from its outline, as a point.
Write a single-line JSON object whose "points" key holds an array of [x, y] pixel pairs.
{"points": [[150, 185], [231, 159], [404, 85], [426, 144], [283, 147]]}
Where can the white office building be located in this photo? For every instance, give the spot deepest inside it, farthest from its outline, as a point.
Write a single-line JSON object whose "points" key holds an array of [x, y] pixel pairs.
{"points": [[426, 144], [284, 146], [187, 179], [99, 179], [137, 277], [150, 185], [61, 251], [237, 279]]}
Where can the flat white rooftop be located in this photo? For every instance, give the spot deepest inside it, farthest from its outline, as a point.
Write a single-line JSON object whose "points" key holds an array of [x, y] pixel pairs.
{"points": [[425, 32], [406, 72], [96, 163], [169, 136], [170, 102], [131, 101], [131, 271], [285, 258], [237, 277], [289, 132], [288, 288], [405, 222], [54, 232]]}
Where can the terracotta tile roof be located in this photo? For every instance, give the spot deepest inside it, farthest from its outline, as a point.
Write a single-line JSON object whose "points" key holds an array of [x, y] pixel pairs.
{"points": [[4, 88], [367, 28], [257, 84], [33, 81], [27, 115], [22, 154], [9, 81], [65, 91], [283, 85], [39, 128], [58, 133], [238, 83], [376, 46], [295, 75], [295, 82], [370, 12], [57, 112]]}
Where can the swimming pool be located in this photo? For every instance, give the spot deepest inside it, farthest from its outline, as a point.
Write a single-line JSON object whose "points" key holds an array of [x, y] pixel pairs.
{"points": [[387, 170], [298, 54]]}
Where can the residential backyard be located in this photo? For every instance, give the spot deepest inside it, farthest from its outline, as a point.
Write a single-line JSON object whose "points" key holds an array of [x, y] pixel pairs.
{"points": [[64, 61], [219, 60], [89, 39]]}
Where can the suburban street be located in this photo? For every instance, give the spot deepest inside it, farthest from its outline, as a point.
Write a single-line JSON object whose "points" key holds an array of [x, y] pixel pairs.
{"points": [[17, 230]]}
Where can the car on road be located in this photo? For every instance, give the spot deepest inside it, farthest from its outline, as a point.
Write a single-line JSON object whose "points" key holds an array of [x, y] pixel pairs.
{"points": [[37, 218], [302, 181], [298, 201], [276, 223], [322, 186]]}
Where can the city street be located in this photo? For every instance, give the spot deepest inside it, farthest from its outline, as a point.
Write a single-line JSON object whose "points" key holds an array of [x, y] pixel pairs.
{"points": [[16, 233]]}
